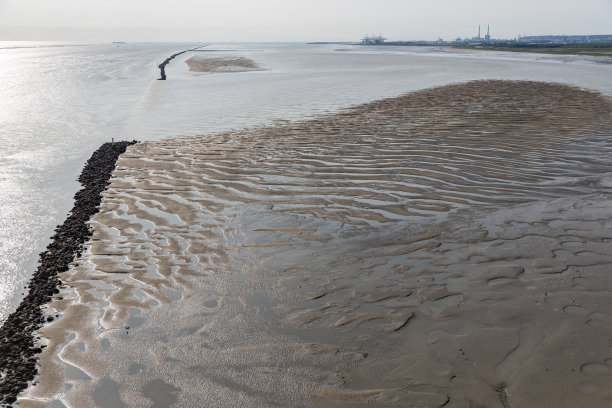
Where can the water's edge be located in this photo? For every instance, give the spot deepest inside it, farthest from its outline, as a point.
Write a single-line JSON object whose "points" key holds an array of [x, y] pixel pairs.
{"points": [[18, 346]]}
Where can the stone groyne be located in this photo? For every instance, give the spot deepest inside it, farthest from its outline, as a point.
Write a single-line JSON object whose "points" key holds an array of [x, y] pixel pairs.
{"points": [[162, 66], [18, 346]]}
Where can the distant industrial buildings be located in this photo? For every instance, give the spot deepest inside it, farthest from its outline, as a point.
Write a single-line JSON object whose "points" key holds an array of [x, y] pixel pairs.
{"points": [[488, 40], [373, 39], [379, 40], [478, 39]]}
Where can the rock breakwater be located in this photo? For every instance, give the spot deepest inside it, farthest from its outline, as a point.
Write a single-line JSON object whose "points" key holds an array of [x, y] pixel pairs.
{"points": [[162, 66], [18, 345]]}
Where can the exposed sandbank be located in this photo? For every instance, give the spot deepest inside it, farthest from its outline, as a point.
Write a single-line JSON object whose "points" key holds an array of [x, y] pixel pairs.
{"points": [[225, 64], [449, 247]]}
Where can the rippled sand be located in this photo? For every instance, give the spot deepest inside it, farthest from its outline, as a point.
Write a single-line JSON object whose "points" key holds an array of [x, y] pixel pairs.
{"points": [[229, 64], [450, 247]]}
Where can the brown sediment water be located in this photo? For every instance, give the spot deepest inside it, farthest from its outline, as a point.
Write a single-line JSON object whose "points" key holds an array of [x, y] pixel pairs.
{"points": [[450, 247], [222, 64]]}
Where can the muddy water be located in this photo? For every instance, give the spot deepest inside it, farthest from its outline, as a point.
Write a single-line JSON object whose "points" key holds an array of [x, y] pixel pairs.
{"points": [[450, 247]]}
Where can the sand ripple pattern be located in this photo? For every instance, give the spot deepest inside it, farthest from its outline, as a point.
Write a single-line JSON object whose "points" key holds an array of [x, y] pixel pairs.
{"points": [[424, 153], [442, 248]]}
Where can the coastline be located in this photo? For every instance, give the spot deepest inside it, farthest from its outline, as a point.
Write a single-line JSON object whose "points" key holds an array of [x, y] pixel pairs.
{"points": [[297, 87], [18, 345]]}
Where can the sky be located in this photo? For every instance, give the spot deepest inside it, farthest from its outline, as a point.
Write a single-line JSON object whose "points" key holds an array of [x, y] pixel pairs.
{"points": [[295, 20]]}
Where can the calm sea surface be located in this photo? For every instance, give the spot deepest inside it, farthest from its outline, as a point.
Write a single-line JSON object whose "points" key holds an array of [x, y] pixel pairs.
{"points": [[59, 102]]}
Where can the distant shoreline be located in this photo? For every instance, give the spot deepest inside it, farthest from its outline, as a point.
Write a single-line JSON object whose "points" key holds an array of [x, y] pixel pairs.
{"points": [[589, 49], [569, 49]]}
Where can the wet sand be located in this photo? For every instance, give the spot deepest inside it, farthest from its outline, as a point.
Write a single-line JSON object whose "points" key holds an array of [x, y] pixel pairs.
{"points": [[18, 350], [450, 247], [227, 64]]}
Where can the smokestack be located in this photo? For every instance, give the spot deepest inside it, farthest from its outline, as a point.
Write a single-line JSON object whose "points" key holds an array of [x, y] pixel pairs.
{"points": [[478, 30]]}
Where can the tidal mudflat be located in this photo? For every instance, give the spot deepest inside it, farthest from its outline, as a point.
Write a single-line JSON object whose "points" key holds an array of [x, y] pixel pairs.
{"points": [[220, 64], [450, 247]]}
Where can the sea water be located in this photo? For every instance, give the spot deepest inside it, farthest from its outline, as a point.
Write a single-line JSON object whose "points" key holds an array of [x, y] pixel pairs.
{"points": [[60, 101]]}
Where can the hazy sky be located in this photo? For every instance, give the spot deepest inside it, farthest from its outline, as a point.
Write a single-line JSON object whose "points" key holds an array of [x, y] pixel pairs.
{"points": [[295, 20]]}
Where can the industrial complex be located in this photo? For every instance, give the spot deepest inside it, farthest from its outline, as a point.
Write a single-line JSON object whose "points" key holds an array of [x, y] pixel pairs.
{"points": [[487, 39]]}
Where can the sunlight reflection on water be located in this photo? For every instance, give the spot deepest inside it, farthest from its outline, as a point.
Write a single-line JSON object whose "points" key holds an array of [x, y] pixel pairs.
{"points": [[58, 104]]}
